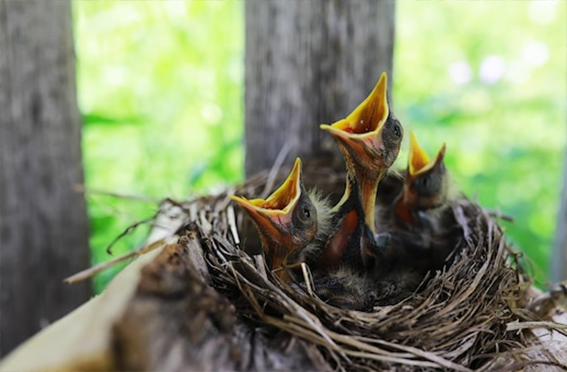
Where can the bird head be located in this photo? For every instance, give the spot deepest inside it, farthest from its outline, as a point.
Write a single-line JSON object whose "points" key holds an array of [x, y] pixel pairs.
{"points": [[370, 136], [286, 220], [427, 181], [369, 139]]}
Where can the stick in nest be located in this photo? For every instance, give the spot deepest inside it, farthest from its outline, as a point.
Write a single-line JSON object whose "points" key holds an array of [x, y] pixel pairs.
{"points": [[87, 273], [545, 302]]}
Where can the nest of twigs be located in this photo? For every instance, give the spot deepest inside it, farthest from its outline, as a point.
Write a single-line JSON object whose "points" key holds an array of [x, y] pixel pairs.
{"points": [[463, 317]]}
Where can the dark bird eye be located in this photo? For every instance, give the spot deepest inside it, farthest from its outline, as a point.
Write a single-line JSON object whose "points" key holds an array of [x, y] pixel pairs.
{"points": [[393, 133], [397, 131], [305, 214]]}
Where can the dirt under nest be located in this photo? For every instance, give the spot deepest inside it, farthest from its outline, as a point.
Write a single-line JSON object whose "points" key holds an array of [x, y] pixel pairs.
{"points": [[220, 308]]}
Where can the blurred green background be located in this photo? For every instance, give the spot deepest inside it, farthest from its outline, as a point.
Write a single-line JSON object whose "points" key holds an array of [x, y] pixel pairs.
{"points": [[161, 92]]}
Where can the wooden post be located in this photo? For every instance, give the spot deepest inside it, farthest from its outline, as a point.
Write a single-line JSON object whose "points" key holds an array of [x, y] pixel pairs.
{"points": [[558, 266], [559, 254], [43, 222], [307, 63]]}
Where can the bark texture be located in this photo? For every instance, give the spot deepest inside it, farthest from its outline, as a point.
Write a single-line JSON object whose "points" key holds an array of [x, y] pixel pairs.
{"points": [[559, 253], [176, 321], [308, 63], [43, 222]]}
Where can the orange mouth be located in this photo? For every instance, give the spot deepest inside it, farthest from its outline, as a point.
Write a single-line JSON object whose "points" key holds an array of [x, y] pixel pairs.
{"points": [[419, 161], [272, 217], [280, 201], [361, 141], [367, 119]]}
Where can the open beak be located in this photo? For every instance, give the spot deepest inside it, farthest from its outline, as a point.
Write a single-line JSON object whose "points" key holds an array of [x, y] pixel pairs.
{"points": [[419, 162], [359, 134], [431, 191], [360, 140], [272, 216]]}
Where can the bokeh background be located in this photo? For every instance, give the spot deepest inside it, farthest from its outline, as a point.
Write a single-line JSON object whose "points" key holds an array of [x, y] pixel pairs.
{"points": [[161, 93]]}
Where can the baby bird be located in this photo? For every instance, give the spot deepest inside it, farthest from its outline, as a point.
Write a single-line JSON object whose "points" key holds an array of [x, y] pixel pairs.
{"points": [[423, 205], [287, 221], [350, 241], [419, 230], [426, 186], [369, 140]]}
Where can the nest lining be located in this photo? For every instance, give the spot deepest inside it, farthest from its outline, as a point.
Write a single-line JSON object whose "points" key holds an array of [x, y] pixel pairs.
{"points": [[459, 319]]}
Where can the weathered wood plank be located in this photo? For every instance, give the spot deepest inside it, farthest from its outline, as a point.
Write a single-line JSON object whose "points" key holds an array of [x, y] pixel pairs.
{"points": [[43, 221], [558, 263], [307, 63], [178, 322], [81, 341], [160, 313]]}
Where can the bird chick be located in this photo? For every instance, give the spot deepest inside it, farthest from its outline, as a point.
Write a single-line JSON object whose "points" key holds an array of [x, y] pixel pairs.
{"points": [[350, 241], [351, 290], [422, 209], [286, 221], [418, 227], [426, 186], [347, 289], [369, 140]]}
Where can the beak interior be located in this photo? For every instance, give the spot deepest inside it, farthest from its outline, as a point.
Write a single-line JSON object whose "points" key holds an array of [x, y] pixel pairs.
{"points": [[418, 158], [281, 200], [419, 161], [288, 193], [368, 117]]}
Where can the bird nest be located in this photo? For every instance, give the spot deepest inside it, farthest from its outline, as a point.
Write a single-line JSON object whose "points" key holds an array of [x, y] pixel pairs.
{"points": [[467, 316]]}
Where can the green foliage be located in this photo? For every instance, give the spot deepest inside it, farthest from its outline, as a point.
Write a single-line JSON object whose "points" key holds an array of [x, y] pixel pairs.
{"points": [[505, 133], [161, 92]]}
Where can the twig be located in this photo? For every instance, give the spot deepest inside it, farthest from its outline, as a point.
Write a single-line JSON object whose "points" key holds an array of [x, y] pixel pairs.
{"points": [[127, 231], [543, 303], [514, 326], [87, 273], [497, 213], [80, 188], [232, 224]]}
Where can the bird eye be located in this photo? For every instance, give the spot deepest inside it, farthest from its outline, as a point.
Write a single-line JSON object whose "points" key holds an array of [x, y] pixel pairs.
{"points": [[397, 130], [393, 133], [305, 214]]}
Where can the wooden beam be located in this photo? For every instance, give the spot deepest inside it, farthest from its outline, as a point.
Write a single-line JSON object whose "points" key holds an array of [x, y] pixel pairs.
{"points": [[307, 63], [43, 222], [559, 253]]}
